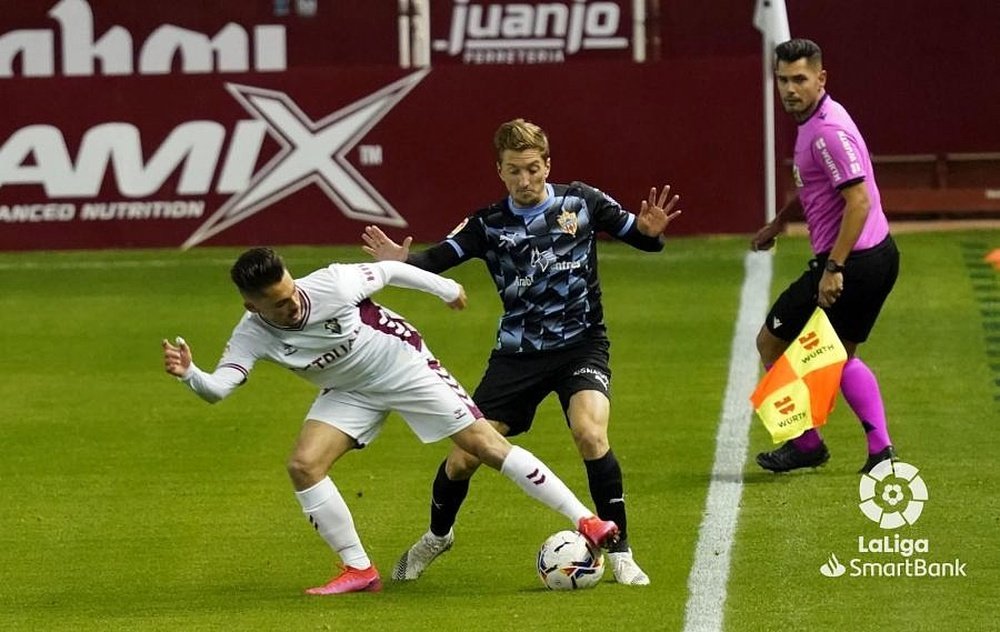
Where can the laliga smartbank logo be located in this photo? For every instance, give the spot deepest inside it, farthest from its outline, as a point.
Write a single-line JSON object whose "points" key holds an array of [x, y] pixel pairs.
{"points": [[893, 496]]}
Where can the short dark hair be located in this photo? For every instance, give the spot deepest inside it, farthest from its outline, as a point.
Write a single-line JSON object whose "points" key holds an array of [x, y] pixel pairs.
{"points": [[256, 270], [796, 49]]}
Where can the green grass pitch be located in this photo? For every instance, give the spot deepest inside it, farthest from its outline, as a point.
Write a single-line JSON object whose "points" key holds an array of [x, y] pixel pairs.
{"points": [[129, 504]]}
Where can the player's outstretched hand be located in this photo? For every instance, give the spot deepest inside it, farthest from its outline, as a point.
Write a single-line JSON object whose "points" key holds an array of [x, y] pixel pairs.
{"points": [[656, 213], [381, 248], [461, 301], [176, 358]]}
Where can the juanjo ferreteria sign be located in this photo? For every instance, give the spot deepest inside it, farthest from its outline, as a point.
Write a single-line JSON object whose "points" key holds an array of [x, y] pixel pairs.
{"points": [[520, 32], [893, 495]]}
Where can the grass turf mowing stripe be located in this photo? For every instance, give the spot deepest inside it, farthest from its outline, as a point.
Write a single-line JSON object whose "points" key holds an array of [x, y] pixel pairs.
{"points": [[710, 571], [984, 282]]}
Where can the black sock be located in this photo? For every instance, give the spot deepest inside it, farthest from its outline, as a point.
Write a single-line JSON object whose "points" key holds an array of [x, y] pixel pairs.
{"points": [[446, 499], [605, 477]]}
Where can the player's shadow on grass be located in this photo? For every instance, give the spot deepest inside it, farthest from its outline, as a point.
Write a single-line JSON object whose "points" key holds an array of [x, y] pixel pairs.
{"points": [[763, 477], [760, 477]]}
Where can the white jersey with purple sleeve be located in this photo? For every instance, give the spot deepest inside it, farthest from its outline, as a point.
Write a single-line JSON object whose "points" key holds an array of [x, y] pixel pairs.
{"points": [[830, 154], [344, 340]]}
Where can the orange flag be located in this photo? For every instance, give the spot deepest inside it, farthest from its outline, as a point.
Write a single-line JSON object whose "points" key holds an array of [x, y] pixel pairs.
{"points": [[799, 391], [993, 257]]}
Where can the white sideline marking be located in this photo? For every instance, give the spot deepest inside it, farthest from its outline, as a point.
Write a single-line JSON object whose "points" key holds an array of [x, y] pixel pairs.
{"points": [[710, 572]]}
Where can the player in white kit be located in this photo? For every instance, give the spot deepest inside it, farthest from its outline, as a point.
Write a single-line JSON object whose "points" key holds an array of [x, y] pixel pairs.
{"points": [[367, 361]]}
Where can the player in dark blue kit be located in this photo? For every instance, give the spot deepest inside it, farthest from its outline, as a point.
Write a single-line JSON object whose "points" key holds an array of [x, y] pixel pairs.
{"points": [[540, 246]]}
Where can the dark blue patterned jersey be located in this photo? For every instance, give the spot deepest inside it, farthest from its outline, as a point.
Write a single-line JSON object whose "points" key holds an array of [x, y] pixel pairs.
{"points": [[543, 261]]}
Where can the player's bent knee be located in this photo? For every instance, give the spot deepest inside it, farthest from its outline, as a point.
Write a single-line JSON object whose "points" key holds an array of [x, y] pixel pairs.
{"points": [[303, 471], [483, 443], [461, 465], [592, 443], [494, 451], [494, 455]]}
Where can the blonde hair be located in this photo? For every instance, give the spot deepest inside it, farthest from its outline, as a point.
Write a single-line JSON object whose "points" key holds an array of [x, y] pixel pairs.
{"points": [[520, 135]]}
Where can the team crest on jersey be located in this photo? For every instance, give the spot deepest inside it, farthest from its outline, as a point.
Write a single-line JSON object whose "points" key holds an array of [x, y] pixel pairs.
{"points": [[332, 325], [461, 225], [288, 350], [567, 222]]}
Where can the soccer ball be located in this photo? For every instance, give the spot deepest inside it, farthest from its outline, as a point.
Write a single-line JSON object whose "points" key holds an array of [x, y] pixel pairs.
{"points": [[567, 561]]}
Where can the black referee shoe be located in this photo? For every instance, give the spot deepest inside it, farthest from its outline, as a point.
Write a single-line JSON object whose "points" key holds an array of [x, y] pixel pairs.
{"points": [[887, 453], [788, 458]]}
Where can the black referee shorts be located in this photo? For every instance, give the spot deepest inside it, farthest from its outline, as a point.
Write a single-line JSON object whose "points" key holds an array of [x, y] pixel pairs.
{"points": [[868, 278], [515, 384]]}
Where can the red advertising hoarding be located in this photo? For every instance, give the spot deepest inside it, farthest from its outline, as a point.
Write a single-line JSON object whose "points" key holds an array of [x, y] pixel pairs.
{"points": [[180, 126]]}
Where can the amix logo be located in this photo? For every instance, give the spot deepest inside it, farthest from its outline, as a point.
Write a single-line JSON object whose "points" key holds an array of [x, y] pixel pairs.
{"points": [[312, 152]]}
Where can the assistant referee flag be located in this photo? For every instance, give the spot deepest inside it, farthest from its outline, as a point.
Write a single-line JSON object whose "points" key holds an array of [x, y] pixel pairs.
{"points": [[799, 390]]}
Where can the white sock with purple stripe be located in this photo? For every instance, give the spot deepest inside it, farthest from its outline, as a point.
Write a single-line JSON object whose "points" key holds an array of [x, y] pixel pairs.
{"points": [[538, 481], [329, 514]]}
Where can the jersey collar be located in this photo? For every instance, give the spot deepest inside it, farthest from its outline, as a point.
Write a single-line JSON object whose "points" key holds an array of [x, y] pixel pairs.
{"points": [[531, 211]]}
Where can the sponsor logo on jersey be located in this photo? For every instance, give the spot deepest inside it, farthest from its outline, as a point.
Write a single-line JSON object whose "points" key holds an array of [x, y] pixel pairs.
{"points": [[324, 361], [507, 239], [542, 260], [852, 156], [831, 165]]}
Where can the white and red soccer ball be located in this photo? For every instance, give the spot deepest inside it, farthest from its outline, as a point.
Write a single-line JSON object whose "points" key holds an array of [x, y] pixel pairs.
{"points": [[567, 561]]}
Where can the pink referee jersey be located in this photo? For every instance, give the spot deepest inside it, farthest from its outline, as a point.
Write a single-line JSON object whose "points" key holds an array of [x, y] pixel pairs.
{"points": [[830, 154]]}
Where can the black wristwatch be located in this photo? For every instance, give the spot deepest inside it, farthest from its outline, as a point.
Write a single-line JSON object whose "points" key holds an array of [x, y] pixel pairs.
{"points": [[833, 266]]}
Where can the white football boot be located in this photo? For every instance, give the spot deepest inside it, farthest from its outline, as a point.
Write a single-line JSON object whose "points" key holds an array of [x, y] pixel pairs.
{"points": [[419, 557], [625, 570]]}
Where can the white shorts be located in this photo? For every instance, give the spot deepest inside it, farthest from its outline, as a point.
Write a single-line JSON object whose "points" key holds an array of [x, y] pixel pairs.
{"points": [[432, 403]]}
